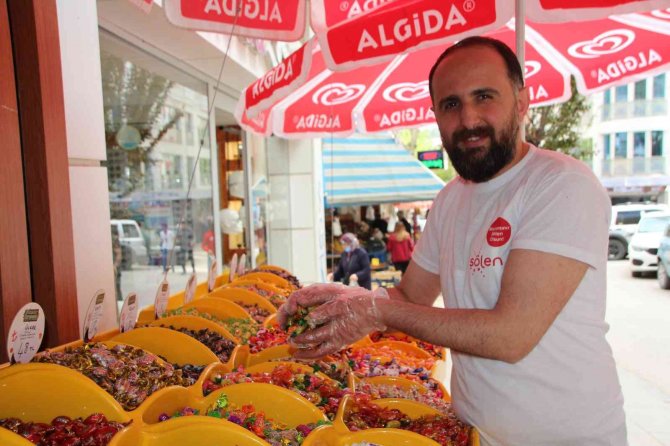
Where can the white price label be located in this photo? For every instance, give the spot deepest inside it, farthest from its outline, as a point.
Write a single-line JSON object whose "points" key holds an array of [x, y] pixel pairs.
{"points": [[189, 292], [129, 312], [93, 316], [211, 278], [25, 334], [161, 301], [233, 267]]}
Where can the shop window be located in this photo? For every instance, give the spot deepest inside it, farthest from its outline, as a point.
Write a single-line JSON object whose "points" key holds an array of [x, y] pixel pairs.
{"points": [[621, 145], [638, 144], [152, 115], [657, 143], [659, 86]]}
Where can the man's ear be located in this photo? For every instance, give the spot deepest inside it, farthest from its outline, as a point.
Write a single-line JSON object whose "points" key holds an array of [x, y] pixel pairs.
{"points": [[523, 102]]}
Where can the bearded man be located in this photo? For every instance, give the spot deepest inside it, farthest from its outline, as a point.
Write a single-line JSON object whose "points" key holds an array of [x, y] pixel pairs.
{"points": [[517, 247]]}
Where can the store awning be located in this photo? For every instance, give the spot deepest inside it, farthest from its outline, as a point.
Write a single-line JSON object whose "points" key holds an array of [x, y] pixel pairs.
{"points": [[371, 169]]}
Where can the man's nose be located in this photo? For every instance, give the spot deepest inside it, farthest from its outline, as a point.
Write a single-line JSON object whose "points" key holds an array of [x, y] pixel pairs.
{"points": [[469, 116]]}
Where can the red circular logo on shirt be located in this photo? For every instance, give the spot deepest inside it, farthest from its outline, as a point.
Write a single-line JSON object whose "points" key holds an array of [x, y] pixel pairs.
{"points": [[499, 233]]}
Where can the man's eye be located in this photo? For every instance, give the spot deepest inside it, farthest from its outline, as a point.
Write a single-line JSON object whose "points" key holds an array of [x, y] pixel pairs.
{"points": [[484, 97], [448, 105]]}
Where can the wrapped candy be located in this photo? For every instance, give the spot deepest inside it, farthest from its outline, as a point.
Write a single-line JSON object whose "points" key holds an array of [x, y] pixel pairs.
{"points": [[95, 430]]}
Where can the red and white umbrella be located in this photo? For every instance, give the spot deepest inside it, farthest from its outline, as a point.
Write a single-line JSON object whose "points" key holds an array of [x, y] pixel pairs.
{"points": [[599, 53], [365, 32]]}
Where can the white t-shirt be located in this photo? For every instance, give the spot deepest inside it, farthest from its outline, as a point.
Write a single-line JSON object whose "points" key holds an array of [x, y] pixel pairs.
{"points": [[167, 239], [566, 390]]}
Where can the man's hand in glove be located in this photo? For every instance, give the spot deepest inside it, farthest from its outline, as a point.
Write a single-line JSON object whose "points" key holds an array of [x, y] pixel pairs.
{"points": [[348, 314], [310, 296]]}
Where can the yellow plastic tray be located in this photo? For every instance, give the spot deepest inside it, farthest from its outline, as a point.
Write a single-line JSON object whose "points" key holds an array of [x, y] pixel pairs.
{"points": [[176, 347], [273, 268], [401, 382], [277, 352], [194, 323], [196, 430], [271, 321], [219, 308], [267, 367], [269, 278], [258, 283], [414, 341], [241, 295]]}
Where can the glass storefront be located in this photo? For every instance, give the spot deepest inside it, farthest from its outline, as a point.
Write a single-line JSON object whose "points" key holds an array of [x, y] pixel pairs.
{"points": [[155, 118]]}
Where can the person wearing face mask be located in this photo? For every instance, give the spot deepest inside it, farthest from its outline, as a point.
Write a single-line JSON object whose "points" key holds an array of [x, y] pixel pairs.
{"points": [[354, 263], [517, 247]]}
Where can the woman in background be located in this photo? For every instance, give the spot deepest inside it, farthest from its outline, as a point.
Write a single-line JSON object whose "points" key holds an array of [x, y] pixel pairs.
{"points": [[400, 247], [354, 263]]}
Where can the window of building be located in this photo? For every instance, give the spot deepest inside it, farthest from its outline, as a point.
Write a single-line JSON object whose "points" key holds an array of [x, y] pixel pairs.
{"points": [[607, 151], [641, 90], [621, 145], [205, 172], [657, 143], [607, 97], [638, 144], [659, 86], [621, 93]]}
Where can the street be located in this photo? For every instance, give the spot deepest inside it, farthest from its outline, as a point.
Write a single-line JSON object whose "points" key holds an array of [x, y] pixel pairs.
{"points": [[638, 312]]}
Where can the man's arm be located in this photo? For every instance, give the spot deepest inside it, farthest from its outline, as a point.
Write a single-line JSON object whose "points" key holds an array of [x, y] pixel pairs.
{"points": [[535, 287], [417, 286]]}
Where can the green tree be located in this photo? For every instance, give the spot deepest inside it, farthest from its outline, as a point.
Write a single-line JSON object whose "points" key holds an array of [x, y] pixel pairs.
{"points": [[417, 140], [558, 127], [136, 97]]}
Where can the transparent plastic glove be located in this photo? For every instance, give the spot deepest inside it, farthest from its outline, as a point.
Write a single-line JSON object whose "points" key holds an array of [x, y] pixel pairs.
{"points": [[310, 296], [340, 322]]}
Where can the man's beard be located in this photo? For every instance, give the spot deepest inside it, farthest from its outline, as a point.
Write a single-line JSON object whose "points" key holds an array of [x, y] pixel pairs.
{"points": [[481, 164]]}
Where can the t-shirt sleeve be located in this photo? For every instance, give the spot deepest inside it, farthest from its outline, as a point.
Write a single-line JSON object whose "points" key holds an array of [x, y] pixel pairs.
{"points": [[567, 215], [426, 253]]}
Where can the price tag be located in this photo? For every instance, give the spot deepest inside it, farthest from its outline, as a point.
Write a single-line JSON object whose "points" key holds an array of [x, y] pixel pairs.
{"points": [[93, 316], [241, 268], [25, 334], [233, 267], [211, 276], [161, 301], [129, 311], [189, 292]]}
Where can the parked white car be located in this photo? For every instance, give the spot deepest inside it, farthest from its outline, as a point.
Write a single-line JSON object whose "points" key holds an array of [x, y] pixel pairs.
{"points": [[132, 242], [625, 218], [643, 247]]}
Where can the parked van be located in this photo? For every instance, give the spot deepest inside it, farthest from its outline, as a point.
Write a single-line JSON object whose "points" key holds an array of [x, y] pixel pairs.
{"points": [[132, 242]]}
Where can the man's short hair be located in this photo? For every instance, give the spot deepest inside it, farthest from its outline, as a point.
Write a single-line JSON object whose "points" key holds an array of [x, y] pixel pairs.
{"points": [[514, 71]]}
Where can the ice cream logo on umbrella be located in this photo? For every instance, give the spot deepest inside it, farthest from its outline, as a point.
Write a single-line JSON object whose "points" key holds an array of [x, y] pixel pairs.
{"points": [[662, 14], [609, 42], [337, 93], [406, 92], [532, 67]]}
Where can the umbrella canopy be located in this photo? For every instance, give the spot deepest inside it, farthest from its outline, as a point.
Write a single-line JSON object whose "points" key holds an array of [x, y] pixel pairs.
{"points": [[364, 32], [374, 169], [600, 54]]}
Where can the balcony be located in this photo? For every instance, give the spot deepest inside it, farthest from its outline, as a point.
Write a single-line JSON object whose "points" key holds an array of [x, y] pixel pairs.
{"points": [[635, 109], [633, 167]]}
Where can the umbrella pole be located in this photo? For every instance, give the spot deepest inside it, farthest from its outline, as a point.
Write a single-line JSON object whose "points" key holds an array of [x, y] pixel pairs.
{"points": [[520, 33]]}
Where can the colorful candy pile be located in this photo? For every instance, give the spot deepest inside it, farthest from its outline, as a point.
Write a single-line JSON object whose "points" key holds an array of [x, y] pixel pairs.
{"points": [[129, 374], [95, 430], [434, 399], [222, 347], [384, 360], [444, 429], [242, 329], [323, 393], [257, 313], [436, 351], [253, 420], [267, 337]]}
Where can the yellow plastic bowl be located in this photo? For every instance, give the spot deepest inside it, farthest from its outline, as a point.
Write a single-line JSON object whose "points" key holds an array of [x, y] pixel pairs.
{"points": [[296, 367], [279, 404], [194, 323], [219, 308], [277, 352], [40, 392], [273, 268], [243, 296], [176, 347], [401, 382], [195, 430], [269, 278], [260, 284]]}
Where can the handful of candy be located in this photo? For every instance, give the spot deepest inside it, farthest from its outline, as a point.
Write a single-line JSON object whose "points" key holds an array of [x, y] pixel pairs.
{"points": [[298, 323], [95, 430], [446, 430]]}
